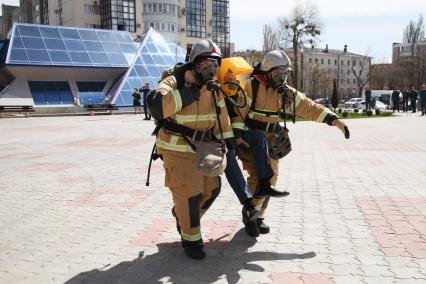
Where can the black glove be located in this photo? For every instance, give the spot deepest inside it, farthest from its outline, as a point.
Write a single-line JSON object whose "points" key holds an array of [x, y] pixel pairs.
{"points": [[189, 95], [213, 86], [282, 90]]}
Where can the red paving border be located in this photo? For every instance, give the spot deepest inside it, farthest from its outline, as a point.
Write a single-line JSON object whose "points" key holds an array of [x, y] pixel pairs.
{"points": [[398, 224]]}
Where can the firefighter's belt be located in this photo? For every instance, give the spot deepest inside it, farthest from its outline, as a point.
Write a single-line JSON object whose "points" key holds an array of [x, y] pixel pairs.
{"points": [[271, 127], [194, 134]]}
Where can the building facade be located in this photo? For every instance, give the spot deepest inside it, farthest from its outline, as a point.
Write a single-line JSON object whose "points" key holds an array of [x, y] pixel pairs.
{"points": [[9, 15], [183, 21], [51, 67], [318, 67]]}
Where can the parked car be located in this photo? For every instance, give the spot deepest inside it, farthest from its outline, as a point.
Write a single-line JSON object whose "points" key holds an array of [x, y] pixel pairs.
{"points": [[353, 103], [380, 105], [322, 101]]}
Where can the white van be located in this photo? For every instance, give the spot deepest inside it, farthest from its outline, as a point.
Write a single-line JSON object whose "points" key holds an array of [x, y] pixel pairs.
{"points": [[380, 95]]}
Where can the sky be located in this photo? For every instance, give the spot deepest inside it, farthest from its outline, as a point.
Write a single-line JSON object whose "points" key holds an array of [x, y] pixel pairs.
{"points": [[366, 26]]}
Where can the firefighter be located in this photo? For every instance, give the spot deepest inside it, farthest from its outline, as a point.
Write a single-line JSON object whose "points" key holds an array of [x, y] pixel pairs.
{"points": [[269, 100], [188, 118]]}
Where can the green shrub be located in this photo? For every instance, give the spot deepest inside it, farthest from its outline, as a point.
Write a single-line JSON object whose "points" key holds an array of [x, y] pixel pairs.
{"points": [[387, 113], [369, 112], [377, 111], [345, 113], [356, 110], [364, 110], [339, 110]]}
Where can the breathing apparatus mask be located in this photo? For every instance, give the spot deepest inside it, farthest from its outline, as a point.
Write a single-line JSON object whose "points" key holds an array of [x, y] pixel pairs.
{"points": [[206, 69], [277, 77]]}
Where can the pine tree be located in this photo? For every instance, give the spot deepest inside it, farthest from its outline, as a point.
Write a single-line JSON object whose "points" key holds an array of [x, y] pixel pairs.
{"points": [[335, 97]]}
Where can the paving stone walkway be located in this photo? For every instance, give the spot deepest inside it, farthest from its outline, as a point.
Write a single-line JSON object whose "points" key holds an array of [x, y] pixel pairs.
{"points": [[74, 207]]}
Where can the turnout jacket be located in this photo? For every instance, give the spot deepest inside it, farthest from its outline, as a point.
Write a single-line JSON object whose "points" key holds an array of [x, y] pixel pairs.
{"points": [[200, 115], [268, 100]]}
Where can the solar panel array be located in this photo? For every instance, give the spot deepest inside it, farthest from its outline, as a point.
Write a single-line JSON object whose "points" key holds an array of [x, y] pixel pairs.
{"points": [[155, 54], [65, 46]]}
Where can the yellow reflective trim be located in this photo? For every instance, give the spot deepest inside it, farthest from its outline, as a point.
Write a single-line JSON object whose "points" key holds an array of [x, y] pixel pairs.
{"points": [[174, 139], [179, 118], [252, 113], [176, 148], [177, 99], [191, 238], [324, 113], [239, 125], [228, 134], [221, 103], [249, 100], [164, 86]]}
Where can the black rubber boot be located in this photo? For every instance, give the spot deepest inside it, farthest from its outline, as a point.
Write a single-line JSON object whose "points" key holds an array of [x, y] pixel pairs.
{"points": [[262, 227], [177, 220], [264, 188], [194, 249], [250, 224]]}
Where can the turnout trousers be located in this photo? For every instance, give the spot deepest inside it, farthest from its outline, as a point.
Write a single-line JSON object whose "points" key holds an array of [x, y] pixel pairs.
{"points": [[193, 193], [252, 168]]}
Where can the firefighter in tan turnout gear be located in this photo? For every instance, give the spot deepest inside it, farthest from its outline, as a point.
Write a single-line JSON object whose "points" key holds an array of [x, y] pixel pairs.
{"points": [[185, 107], [269, 100]]}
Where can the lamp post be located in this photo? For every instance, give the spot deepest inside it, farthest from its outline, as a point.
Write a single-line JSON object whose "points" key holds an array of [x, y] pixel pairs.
{"points": [[302, 85]]}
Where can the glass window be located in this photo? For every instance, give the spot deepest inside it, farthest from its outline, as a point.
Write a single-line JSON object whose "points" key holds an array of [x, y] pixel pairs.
{"points": [[122, 37], [75, 45], [93, 46], [80, 57], [111, 47], [141, 70], [38, 55], [17, 42], [33, 42], [129, 57], [158, 59], [128, 48], [88, 35], [153, 71], [18, 54], [147, 59], [106, 36], [69, 33], [50, 32], [117, 59], [29, 31], [57, 44], [99, 57], [59, 56], [152, 48]]}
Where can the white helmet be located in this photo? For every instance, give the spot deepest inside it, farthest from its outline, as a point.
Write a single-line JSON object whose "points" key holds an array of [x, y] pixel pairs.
{"points": [[275, 58], [205, 48]]}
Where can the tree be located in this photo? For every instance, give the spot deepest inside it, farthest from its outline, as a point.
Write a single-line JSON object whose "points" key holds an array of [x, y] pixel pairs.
{"points": [[362, 73], [335, 96], [270, 40], [318, 80], [302, 26]]}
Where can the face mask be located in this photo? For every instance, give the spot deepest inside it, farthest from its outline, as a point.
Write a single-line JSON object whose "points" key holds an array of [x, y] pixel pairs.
{"points": [[206, 70], [276, 77]]}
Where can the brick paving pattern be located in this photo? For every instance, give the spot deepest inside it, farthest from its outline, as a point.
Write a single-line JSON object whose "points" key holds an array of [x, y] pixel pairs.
{"points": [[74, 207]]}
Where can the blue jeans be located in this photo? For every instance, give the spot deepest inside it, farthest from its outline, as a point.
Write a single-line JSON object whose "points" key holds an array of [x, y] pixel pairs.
{"points": [[259, 148]]}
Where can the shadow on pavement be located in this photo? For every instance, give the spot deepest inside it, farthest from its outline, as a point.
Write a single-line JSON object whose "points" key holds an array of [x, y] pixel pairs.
{"points": [[170, 264]]}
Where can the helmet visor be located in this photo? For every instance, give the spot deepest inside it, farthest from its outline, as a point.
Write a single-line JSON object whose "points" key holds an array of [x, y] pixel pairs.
{"points": [[278, 76], [207, 68]]}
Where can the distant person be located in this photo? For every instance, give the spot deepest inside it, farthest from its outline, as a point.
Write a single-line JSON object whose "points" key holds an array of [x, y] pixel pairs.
{"points": [[405, 100], [413, 98], [145, 90], [423, 99], [395, 100], [373, 103], [368, 99], [136, 100]]}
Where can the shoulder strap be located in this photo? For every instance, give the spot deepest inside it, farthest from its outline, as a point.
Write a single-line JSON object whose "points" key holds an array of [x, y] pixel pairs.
{"points": [[254, 89]]}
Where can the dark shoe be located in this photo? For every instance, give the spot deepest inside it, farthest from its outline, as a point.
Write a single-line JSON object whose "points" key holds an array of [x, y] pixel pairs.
{"points": [[177, 220], [264, 188], [194, 249], [263, 228], [251, 229], [195, 252], [250, 213]]}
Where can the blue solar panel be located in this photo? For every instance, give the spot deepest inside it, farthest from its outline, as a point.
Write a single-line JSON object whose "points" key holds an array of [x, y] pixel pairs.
{"points": [[155, 54], [65, 46]]}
